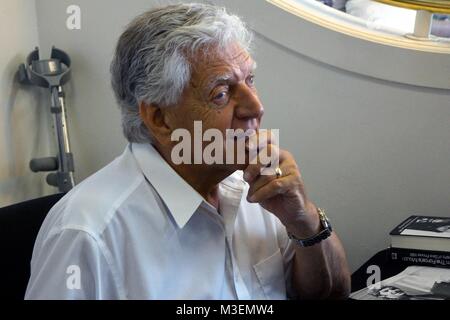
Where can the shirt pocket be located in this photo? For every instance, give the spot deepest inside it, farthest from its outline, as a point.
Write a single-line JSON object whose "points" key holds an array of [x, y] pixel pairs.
{"points": [[270, 274]]}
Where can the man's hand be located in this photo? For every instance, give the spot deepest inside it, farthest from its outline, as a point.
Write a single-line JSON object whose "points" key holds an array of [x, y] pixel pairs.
{"points": [[284, 196], [319, 271]]}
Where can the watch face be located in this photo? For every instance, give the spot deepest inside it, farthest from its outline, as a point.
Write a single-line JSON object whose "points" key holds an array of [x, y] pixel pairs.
{"points": [[322, 215], [322, 235], [324, 219]]}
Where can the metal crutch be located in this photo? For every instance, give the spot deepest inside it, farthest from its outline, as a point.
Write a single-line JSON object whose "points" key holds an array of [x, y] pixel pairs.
{"points": [[52, 73]]}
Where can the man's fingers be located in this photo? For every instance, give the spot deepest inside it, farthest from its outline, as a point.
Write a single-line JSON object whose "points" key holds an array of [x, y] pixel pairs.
{"points": [[269, 190], [288, 169], [258, 142], [261, 180], [268, 156]]}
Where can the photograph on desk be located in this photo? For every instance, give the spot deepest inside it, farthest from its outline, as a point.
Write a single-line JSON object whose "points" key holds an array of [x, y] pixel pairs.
{"points": [[414, 283]]}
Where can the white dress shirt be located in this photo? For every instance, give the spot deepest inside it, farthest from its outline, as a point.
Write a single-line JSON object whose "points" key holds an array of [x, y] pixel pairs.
{"points": [[137, 230]]}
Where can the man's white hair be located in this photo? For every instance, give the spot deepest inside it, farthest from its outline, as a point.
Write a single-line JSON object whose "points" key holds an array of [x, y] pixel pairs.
{"points": [[151, 62]]}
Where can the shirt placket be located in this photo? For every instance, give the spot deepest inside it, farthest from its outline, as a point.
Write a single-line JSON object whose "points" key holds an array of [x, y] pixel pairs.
{"points": [[231, 199], [239, 284]]}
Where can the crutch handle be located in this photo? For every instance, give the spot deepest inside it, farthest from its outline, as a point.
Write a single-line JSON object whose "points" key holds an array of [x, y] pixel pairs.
{"points": [[44, 164]]}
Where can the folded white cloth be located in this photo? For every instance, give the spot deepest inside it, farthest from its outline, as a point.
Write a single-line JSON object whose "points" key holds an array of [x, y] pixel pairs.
{"points": [[380, 16]]}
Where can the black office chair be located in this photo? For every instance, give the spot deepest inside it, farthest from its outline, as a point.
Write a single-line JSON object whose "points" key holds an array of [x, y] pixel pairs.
{"points": [[19, 226]]}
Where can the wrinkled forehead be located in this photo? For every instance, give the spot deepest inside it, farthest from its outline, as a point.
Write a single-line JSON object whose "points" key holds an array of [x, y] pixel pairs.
{"points": [[213, 61]]}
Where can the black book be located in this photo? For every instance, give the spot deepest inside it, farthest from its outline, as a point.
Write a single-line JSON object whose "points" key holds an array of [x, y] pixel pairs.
{"points": [[439, 259], [422, 233]]}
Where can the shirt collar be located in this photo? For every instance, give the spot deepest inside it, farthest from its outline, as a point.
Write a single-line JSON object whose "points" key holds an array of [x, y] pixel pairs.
{"points": [[180, 198]]}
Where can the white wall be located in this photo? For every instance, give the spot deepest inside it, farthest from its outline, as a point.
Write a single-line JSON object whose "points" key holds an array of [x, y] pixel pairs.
{"points": [[93, 116], [372, 151], [24, 127]]}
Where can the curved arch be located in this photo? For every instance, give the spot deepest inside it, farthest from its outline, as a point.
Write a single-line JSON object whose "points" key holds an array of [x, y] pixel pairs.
{"points": [[343, 41]]}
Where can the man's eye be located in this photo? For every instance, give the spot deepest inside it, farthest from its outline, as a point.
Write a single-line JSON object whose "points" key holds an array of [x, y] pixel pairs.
{"points": [[221, 98], [251, 80], [221, 95]]}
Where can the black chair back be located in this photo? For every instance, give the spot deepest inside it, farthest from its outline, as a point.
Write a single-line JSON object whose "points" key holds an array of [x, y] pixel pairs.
{"points": [[19, 226]]}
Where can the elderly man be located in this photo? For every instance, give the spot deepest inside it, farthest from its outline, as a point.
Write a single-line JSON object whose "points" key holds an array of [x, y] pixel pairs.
{"points": [[145, 227]]}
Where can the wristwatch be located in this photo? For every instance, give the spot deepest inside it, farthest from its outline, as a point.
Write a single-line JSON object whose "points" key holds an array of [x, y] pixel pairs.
{"points": [[322, 235]]}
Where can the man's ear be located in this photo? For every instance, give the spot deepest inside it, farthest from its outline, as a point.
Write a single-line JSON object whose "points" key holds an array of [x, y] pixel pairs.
{"points": [[154, 120]]}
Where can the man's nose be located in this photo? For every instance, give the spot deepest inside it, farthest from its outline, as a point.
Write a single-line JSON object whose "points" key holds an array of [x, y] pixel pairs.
{"points": [[249, 106]]}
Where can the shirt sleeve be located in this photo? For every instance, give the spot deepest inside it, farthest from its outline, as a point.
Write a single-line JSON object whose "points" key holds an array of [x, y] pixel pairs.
{"points": [[71, 265]]}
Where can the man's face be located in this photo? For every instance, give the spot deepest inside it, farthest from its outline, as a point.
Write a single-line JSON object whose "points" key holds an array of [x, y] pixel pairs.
{"points": [[221, 94]]}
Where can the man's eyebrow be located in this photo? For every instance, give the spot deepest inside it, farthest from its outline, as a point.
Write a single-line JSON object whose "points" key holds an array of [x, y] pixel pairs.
{"points": [[227, 77], [222, 78]]}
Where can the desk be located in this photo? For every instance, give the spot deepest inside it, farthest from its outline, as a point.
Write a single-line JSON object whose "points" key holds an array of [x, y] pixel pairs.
{"points": [[387, 267]]}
